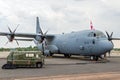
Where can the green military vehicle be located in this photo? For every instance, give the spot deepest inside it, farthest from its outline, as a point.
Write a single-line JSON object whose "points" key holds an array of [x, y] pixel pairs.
{"points": [[24, 59]]}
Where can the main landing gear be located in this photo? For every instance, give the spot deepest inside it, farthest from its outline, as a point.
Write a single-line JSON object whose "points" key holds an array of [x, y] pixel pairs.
{"points": [[67, 55], [94, 58]]}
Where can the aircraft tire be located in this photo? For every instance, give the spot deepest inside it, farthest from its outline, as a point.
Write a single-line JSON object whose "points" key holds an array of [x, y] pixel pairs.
{"points": [[67, 55], [51, 54], [94, 58]]}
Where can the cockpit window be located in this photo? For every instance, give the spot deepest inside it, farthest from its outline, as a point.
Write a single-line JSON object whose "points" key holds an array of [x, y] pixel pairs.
{"points": [[92, 34], [96, 34], [100, 34]]}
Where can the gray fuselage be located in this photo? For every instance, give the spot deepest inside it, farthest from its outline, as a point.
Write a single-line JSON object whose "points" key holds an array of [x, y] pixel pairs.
{"points": [[86, 43]]}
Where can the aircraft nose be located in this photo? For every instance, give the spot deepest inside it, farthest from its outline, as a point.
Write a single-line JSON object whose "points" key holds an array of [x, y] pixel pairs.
{"points": [[107, 45]]}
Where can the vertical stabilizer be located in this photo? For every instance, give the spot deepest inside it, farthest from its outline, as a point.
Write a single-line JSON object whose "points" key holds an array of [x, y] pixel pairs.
{"points": [[38, 29]]}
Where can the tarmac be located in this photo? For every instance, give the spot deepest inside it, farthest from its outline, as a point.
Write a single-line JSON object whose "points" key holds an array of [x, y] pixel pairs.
{"points": [[60, 68]]}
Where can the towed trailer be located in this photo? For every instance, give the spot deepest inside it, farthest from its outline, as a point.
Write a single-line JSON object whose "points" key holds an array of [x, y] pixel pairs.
{"points": [[24, 59]]}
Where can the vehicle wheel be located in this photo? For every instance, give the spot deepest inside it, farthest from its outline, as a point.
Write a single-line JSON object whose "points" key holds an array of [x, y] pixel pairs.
{"points": [[4, 66], [13, 67], [39, 65], [8, 66]]}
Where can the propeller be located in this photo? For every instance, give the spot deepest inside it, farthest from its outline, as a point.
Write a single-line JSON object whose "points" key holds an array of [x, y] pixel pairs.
{"points": [[43, 36], [42, 39], [109, 36], [12, 35], [110, 39]]}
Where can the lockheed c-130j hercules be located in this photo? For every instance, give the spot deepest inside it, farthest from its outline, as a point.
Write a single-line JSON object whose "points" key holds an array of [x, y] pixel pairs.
{"points": [[93, 43]]}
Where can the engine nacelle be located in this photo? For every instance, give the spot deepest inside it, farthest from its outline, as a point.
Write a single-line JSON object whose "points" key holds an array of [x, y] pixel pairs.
{"points": [[38, 38], [47, 53], [10, 37], [52, 48]]}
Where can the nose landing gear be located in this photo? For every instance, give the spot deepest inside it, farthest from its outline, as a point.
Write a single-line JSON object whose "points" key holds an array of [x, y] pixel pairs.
{"points": [[96, 58]]}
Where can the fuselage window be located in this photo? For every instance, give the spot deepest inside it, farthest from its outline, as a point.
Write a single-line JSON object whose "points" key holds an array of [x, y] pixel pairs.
{"points": [[93, 41], [94, 35]]}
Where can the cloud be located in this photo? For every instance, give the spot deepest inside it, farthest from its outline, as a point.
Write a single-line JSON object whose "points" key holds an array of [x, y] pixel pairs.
{"points": [[59, 15]]}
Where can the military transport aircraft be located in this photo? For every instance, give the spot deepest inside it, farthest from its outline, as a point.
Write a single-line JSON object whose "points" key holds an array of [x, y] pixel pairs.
{"points": [[93, 43]]}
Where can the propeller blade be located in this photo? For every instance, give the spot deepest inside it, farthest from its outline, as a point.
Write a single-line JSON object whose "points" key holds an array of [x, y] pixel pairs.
{"points": [[41, 32], [6, 43], [10, 30], [36, 42], [17, 42], [112, 43], [43, 48], [111, 34], [45, 33], [43, 37], [16, 28], [11, 35], [107, 34], [110, 37], [45, 43]]}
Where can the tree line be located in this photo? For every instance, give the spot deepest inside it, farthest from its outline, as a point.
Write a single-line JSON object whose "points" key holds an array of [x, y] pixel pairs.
{"points": [[30, 48]]}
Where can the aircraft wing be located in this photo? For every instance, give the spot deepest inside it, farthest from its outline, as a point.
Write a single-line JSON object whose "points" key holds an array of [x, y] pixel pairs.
{"points": [[18, 34], [115, 38], [26, 35], [24, 39], [4, 34]]}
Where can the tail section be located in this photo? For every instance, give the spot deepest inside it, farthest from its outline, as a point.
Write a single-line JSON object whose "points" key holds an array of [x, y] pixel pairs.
{"points": [[42, 35], [38, 29]]}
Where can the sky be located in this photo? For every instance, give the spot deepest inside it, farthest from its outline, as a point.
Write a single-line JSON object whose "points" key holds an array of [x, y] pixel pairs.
{"points": [[58, 16]]}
